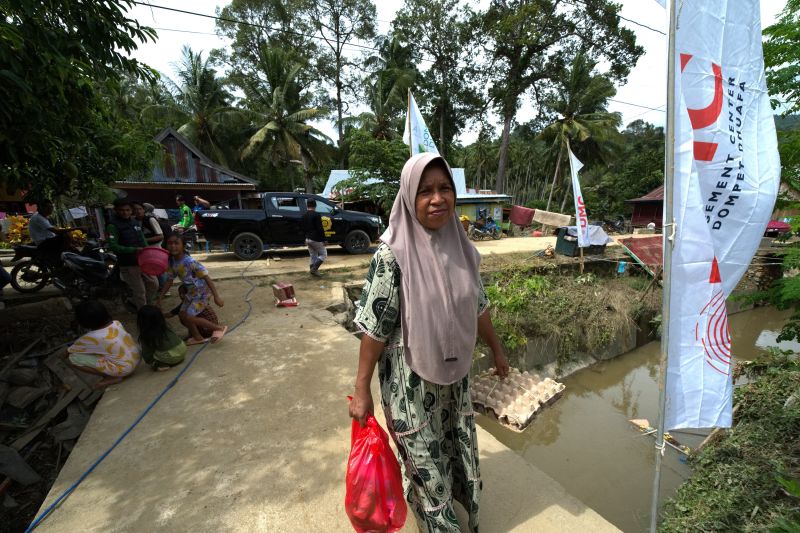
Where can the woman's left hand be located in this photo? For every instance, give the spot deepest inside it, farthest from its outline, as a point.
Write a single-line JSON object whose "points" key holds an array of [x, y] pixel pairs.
{"points": [[219, 301], [500, 363]]}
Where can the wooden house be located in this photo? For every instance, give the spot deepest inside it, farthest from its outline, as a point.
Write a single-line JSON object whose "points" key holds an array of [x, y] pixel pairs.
{"points": [[187, 171]]}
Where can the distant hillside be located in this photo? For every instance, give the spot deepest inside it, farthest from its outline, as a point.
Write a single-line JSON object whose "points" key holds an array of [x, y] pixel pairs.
{"points": [[790, 123]]}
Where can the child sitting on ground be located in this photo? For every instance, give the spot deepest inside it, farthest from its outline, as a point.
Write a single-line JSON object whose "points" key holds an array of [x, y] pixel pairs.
{"points": [[107, 349], [161, 348], [199, 290], [207, 313]]}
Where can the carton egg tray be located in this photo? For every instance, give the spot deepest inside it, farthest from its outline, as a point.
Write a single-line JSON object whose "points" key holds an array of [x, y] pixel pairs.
{"points": [[516, 400]]}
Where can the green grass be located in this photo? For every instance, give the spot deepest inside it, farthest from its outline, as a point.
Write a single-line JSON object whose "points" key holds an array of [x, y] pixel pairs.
{"points": [[750, 479], [582, 313]]}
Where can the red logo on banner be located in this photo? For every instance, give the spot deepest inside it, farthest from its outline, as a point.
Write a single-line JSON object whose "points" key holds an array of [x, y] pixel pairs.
{"points": [[702, 118], [715, 336], [583, 219]]}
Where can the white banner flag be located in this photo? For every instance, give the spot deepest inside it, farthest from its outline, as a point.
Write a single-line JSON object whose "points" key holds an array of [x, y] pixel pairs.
{"points": [[416, 134], [727, 174], [581, 220]]}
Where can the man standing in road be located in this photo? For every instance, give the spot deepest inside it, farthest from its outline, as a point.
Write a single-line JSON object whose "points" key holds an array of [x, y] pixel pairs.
{"points": [[315, 236], [126, 239]]}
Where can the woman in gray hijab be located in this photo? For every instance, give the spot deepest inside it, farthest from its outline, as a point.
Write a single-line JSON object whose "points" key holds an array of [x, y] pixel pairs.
{"points": [[422, 306]]}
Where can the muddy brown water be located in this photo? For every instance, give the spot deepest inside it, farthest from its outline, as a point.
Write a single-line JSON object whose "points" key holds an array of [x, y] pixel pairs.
{"points": [[585, 442]]}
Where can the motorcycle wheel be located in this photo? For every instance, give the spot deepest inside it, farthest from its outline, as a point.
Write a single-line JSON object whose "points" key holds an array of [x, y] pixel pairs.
{"points": [[471, 234], [497, 234], [29, 276]]}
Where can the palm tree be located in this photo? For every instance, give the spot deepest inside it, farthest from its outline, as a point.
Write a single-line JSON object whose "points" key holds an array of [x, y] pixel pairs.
{"points": [[392, 73], [584, 124], [277, 106], [385, 96], [200, 104]]}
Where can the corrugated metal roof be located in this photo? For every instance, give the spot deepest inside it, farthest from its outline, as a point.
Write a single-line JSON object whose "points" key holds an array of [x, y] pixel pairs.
{"points": [[473, 197], [185, 162], [656, 195], [648, 250]]}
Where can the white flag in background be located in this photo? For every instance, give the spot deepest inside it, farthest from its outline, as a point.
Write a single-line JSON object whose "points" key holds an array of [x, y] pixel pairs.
{"points": [[581, 220], [727, 174], [416, 134]]}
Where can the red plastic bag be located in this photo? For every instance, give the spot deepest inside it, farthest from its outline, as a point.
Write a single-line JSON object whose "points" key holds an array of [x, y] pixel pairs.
{"points": [[374, 500]]}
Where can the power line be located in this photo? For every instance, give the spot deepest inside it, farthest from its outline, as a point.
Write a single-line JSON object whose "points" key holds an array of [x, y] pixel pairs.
{"points": [[186, 31], [645, 26], [637, 105], [254, 25]]}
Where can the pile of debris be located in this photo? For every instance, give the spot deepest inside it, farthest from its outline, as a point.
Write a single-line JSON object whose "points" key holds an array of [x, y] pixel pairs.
{"points": [[44, 407], [515, 400]]}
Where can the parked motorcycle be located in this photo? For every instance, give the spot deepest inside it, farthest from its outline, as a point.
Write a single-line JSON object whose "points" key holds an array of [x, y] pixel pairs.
{"points": [[484, 228], [34, 269], [82, 277]]}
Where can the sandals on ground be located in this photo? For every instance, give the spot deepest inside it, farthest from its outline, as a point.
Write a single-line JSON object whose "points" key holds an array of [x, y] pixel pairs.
{"points": [[218, 334]]}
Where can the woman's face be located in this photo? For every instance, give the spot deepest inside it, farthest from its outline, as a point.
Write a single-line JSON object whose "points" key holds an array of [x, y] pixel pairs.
{"points": [[436, 198]]}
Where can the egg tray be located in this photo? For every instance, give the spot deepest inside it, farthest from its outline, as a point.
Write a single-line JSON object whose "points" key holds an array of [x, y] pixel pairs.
{"points": [[516, 400]]}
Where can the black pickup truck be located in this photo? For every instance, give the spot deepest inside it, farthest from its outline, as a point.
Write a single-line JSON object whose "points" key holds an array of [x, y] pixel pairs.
{"points": [[278, 222]]}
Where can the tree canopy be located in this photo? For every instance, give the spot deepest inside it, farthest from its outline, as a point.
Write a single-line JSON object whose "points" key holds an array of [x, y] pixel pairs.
{"points": [[62, 64]]}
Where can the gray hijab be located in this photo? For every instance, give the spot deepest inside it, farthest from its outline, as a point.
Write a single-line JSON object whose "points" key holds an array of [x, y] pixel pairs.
{"points": [[439, 289]]}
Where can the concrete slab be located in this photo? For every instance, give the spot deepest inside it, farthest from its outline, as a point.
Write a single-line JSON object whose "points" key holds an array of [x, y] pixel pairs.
{"points": [[255, 437]]}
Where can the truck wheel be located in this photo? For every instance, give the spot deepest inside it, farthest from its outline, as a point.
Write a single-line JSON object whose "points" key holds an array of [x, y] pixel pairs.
{"points": [[357, 242], [247, 246]]}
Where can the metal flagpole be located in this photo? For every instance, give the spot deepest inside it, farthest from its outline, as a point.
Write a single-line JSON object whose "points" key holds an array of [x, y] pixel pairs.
{"points": [[410, 131], [668, 233]]}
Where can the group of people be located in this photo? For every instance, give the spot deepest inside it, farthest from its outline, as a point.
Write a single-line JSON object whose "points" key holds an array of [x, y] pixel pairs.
{"points": [[130, 230], [107, 349]]}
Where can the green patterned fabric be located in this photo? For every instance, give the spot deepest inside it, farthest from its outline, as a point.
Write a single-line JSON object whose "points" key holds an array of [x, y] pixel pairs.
{"points": [[432, 425]]}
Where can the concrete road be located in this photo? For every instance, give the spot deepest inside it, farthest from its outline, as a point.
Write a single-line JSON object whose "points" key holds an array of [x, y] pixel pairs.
{"points": [[290, 260], [255, 437]]}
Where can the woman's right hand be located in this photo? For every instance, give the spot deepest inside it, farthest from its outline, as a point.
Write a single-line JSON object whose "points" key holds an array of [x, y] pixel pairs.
{"points": [[361, 405]]}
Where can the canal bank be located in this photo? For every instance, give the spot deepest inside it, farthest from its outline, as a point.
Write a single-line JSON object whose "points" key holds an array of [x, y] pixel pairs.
{"points": [[586, 442]]}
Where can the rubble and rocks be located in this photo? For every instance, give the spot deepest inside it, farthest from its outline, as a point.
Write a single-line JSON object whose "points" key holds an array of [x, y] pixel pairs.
{"points": [[515, 400], [44, 406]]}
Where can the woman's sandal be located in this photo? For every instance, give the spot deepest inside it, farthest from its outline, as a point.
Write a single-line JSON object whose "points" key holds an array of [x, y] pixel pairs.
{"points": [[192, 342], [218, 334]]}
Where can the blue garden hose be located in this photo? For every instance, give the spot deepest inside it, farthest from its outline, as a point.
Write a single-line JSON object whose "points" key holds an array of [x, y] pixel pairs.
{"points": [[46, 513]]}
